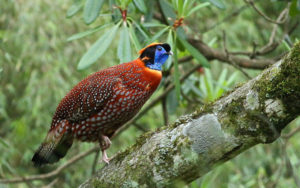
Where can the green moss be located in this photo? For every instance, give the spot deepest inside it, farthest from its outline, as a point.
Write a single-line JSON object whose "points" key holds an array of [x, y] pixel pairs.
{"points": [[205, 109], [283, 84], [232, 111]]}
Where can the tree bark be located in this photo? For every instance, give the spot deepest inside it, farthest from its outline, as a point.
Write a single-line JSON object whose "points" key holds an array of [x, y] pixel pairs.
{"points": [[253, 113]]}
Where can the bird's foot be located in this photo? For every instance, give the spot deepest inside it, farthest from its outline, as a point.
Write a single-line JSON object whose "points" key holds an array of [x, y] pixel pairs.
{"points": [[104, 145], [104, 157]]}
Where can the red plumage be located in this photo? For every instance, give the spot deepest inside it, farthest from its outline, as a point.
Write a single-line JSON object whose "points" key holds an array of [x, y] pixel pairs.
{"points": [[96, 107], [106, 100]]}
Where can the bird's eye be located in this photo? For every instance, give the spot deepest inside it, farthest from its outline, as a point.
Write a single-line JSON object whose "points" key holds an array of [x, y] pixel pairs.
{"points": [[159, 49]]}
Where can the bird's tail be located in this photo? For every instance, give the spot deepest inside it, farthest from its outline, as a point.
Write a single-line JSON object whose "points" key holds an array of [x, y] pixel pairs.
{"points": [[55, 147]]}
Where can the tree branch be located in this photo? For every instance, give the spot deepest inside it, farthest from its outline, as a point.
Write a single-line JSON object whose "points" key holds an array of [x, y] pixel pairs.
{"points": [[251, 114], [213, 54], [52, 173], [281, 21]]}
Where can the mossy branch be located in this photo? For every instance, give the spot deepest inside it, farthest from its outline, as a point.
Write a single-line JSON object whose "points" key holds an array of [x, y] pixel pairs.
{"points": [[251, 114]]}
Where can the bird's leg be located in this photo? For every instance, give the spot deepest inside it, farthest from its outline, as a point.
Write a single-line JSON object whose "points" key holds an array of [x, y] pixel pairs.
{"points": [[105, 143]]}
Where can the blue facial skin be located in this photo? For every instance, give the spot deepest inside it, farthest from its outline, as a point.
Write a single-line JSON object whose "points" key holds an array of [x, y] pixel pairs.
{"points": [[161, 56]]}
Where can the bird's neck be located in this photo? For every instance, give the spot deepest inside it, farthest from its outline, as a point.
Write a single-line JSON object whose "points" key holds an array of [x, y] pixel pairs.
{"points": [[151, 75]]}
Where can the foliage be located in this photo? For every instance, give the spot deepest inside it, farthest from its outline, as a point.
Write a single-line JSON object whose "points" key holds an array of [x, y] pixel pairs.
{"points": [[43, 55]]}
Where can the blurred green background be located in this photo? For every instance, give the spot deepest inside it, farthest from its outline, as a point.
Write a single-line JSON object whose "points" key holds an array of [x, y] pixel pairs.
{"points": [[38, 66]]}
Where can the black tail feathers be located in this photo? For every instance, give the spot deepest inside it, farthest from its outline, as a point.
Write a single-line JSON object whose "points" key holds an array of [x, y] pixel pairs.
{"points": [[52, 150]]}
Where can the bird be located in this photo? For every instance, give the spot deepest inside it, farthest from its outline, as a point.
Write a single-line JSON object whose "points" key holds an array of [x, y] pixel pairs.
{"points": [[95, 108]]}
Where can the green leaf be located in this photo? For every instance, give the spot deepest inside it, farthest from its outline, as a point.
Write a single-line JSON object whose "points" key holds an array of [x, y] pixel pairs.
{"points": [[295, 8], [154, 25], [219, 90], [140, 5], [218, 3], [198, 7], [286, 45], [4, 143], [88, 32], [233, 78], [74, 9], [91, 10], [124, 48], [134, 38], [141, 30], [168, 63], [208, 85], [167, 11], [179, 7], [194, 52], [158, 34], [212, 42], [172, 102], [176, 71], [186, 6], [98, 48]]}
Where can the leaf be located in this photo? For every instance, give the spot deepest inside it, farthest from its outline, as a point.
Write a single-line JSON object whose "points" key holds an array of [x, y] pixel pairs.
{"points": [[140, 5], [295, 8], [176, 72], [194, 52], [98, 48], [153, 25], [124, 48], [218, 3], [219, 90], [167, 11], [198, 7], [186, 6], [172, 102], [233, 78], [158, 34], [88, 32], [74, 9], [141, 30], [4, 143], [179, 8], [212, 42], [168, 63], [134, 38], [91, 10], [207, 80]]}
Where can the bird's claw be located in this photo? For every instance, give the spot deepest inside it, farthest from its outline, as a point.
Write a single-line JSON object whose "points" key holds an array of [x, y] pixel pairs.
{"points": [[104, 157]]}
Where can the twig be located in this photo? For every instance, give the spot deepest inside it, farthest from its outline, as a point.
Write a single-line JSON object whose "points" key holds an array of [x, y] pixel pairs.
{"points": [[193, 100], [165, 110], [140, 127], [229, 58], [53, 173], [51, 183], [272, 44], [185, 59], [227, 18], [95, 162], [290, 168], [280, 21], [213, 54], [290, 134]]}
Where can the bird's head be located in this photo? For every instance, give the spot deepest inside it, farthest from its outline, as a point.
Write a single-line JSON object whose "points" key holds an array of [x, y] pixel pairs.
{"points": [[155, 55]]}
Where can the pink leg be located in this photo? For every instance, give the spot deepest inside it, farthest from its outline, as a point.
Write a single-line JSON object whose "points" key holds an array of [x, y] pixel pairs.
{"points": [[104, 145]]}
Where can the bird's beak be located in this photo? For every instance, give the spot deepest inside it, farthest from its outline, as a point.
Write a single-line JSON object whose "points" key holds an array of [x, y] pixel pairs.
{"points": [[170, 53]]}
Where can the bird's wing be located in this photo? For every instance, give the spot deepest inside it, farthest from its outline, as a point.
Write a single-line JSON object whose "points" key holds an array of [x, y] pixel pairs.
{"points": [[87, 97]]}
